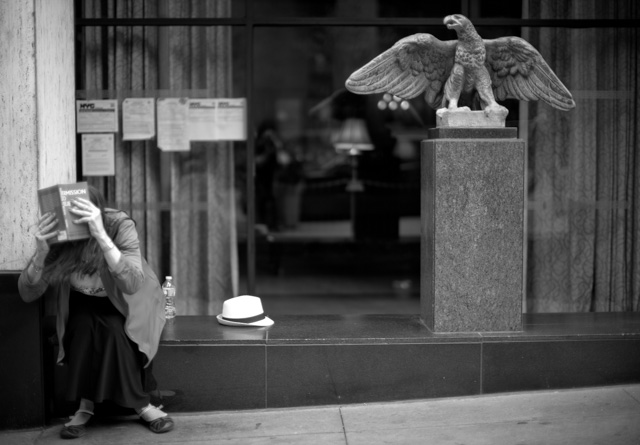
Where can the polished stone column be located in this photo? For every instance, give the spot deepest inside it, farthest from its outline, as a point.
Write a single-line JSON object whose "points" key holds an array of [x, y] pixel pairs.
{"points": [[37, 149], [472, 229]]}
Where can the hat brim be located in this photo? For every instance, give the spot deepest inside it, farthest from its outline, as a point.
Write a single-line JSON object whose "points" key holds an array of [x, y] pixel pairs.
{"points": [[266, 321]]}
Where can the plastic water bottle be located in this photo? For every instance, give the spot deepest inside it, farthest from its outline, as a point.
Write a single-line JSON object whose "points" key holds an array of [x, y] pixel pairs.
{"points": [[169, 290]]}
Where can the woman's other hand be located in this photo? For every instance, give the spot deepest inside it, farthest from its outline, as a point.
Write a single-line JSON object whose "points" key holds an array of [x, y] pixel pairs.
{"points": [[46, 230], [89, 214]]}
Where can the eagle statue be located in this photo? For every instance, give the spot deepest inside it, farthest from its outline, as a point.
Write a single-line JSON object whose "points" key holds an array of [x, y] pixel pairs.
{"points": [[498, 69]]}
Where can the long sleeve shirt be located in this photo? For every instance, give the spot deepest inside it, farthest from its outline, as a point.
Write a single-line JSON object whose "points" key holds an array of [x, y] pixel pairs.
{"points": [[131, 285]]}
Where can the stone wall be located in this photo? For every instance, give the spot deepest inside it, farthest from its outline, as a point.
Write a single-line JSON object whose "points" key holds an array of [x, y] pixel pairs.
{"points": [[37, 124]]}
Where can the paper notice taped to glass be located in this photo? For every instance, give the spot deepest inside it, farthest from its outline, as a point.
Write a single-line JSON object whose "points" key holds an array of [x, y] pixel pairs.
{"points": [[98, 154], [172, 124], [231, 119], [138, 119], [217, 119], [97, 116]]}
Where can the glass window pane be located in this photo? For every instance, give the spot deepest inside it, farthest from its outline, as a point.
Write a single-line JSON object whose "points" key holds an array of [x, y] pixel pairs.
{"points": [[567, 9], [339, 226], [580, 167], [499, 8], [320, 231], [186, 203]]}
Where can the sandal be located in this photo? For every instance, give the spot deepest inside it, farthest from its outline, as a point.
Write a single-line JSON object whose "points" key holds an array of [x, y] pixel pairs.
{"points": [[75, 431], [159, 425]]}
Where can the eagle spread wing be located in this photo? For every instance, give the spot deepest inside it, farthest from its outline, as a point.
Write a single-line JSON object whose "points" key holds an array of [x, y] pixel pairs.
{"points": [[415, 64], [518, 71]]}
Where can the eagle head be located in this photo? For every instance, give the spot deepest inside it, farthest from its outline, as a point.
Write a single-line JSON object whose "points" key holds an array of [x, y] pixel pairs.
{"points": [[456, 22]]}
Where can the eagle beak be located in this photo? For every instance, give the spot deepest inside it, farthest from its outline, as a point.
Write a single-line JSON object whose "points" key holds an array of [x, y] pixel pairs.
{"points": [[449, 21]]}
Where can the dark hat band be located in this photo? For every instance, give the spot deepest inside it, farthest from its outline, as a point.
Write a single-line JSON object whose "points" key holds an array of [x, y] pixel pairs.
{"points": [[246, 320]]}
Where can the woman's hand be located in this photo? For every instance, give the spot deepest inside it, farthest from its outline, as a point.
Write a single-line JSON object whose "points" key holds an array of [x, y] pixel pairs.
{"points": [[89, 214], [46, 225]]}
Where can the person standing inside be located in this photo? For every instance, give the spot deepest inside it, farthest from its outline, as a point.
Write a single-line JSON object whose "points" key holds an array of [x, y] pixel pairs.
{"points": [[110, 311]]}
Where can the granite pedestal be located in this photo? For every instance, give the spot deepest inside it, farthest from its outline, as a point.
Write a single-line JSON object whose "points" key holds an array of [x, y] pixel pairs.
{"points": [[472, 243]]}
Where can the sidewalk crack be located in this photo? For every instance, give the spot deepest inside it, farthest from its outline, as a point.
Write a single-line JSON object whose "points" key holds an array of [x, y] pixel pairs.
{"points": [[344, 429]]}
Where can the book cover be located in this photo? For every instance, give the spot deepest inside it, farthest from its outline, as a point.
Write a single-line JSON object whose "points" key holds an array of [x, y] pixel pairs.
{"points": [[57, 199]]}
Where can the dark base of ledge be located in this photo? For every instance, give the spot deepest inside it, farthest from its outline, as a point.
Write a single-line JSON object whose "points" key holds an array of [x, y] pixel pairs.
{"points": [[323, 360], [320, 360], [472, 133], [21, 373]]}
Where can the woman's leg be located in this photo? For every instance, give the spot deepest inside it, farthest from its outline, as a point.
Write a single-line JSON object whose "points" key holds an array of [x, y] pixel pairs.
{"points": [[119, 370], [121, 358], [158, 420], [78, 345], [78, 356], [84, 413], [103, 363]]}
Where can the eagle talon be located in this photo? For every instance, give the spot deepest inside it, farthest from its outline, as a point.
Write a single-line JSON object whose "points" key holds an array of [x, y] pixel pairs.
{"points": [[497, 110], [441, 111]]}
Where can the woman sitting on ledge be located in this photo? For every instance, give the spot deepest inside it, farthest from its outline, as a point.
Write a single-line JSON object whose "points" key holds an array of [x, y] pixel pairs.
{"points": [[110, 311]]}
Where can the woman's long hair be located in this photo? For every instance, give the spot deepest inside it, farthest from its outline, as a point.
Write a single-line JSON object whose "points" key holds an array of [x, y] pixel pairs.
{"points": [[83, 257]]}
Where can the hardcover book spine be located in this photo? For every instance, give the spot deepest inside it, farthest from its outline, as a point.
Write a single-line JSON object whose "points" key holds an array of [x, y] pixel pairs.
{"points": [[63, 227], [50, 202]]}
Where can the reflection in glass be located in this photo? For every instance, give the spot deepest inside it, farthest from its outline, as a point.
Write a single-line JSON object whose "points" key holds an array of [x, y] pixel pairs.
{"points": [[352, 230]]}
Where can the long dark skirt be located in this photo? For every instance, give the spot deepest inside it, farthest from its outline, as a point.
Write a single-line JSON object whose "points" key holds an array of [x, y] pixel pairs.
{"points": [[103, 363]]}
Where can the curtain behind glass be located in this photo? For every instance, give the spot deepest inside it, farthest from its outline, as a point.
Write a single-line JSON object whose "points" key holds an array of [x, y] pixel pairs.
{"points": [[123, 69], [584, 166], [173, 62]]}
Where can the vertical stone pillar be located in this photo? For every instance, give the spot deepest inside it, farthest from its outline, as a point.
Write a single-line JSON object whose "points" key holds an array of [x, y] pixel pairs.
{"points": [[472, 229], [37, 149], [37, 123]]}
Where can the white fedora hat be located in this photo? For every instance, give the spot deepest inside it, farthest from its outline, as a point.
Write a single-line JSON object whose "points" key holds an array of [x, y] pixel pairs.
{"points": [[245, 310]]}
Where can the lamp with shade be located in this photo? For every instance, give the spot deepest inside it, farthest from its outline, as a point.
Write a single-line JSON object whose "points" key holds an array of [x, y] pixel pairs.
{"points": [[353, 139]]}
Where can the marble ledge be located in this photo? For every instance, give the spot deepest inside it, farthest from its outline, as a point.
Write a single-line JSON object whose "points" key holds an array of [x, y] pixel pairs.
{"points": [[394, 329]]}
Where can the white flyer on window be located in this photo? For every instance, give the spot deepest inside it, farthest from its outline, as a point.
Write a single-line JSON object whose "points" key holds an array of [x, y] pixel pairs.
{"points": [[231, 119], [201, 119], [138, 119], [172, 124], [98, 155], [97, 116]]}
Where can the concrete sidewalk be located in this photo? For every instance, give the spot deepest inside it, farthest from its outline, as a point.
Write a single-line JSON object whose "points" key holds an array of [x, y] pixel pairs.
{"points": [[603, 415]]}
